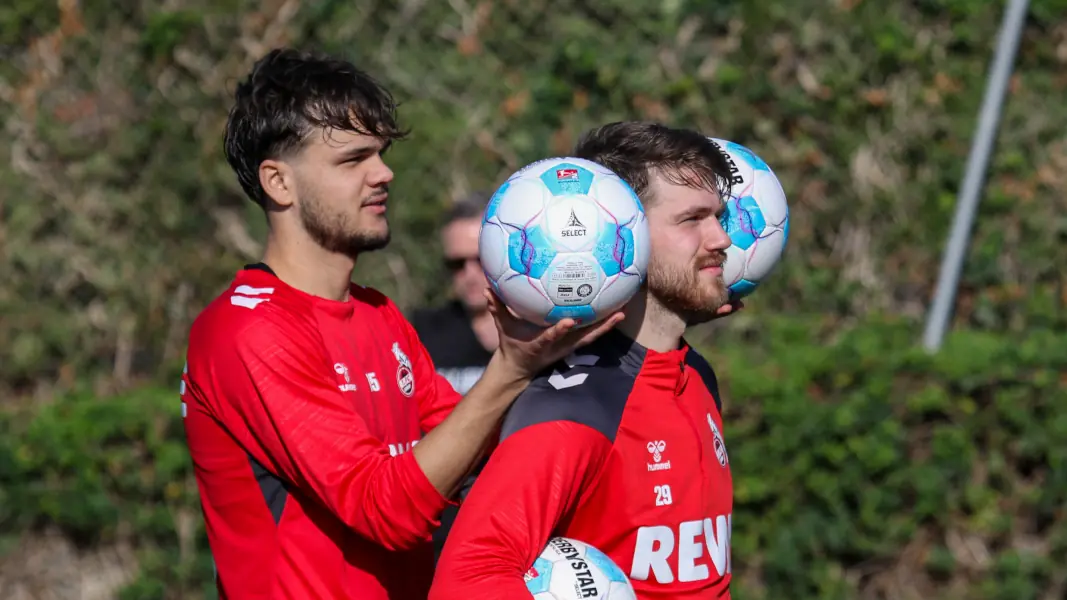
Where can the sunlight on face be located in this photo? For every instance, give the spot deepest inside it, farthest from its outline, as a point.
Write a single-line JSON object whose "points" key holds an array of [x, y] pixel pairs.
{"points": [[688, 249], [343, 188]]}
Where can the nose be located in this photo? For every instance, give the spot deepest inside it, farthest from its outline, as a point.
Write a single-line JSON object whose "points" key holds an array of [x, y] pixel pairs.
{"points": [[380, 173], [717, 239]]}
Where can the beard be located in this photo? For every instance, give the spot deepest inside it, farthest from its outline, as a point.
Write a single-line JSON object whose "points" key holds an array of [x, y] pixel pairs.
{"points": [[681, 289], [336, 232]]}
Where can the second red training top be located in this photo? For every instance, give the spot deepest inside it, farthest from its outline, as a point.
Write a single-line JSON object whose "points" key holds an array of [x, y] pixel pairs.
{"points": [[300, 413], [620, 447]]}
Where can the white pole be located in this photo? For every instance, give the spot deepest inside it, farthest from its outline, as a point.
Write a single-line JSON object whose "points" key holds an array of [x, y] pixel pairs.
{"points": [[940, 314]]}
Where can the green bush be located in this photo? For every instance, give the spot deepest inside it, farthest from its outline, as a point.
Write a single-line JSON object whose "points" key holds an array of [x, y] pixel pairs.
{"points": [[867, 466], [127, 219], [863, 469], [107, 470]]}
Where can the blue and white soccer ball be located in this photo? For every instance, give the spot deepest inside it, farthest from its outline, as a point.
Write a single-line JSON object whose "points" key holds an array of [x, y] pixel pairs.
{"points": [[757, 219], [571, 570], [564, 237]]}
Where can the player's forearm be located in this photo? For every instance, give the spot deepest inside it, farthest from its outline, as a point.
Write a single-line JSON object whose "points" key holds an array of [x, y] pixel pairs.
{"points": [[452, 449]]}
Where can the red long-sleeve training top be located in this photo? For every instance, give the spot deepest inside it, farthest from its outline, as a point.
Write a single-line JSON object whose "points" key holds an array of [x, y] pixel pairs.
{"points": [[300, 413], [620, 447]]}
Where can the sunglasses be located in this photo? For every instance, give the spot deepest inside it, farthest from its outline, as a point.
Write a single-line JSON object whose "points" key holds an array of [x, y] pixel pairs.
{"points": [[457, 264]]}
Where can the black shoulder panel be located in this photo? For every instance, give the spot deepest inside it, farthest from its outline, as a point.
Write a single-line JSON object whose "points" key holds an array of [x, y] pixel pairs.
{"points": [[707, 374], [590, 387]]}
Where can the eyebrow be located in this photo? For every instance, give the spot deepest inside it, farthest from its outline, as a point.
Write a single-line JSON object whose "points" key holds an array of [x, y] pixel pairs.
{"points": [[695, 211]]}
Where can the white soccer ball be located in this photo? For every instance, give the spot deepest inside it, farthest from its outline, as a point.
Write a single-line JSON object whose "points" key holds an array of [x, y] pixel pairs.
{"points": [[757, 219], [564, 237], [571, 570]]}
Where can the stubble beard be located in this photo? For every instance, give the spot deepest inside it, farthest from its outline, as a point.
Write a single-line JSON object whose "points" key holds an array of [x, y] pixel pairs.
{"points": [[335, 233], [680, 290]]}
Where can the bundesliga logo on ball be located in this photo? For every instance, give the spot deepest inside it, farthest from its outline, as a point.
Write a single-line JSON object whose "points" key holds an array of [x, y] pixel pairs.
{"points": [[564, 237]]}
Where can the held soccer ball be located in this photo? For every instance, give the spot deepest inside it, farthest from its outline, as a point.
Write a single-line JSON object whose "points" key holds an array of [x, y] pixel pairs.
{"points": [[564, 237], [757, 219], [571, 570]]}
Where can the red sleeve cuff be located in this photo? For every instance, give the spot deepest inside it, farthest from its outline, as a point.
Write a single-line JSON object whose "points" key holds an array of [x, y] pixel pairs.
{"points": [[426, 502]]}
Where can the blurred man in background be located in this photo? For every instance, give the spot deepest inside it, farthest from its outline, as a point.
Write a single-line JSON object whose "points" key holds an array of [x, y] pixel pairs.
{"points": [[460, 335]]}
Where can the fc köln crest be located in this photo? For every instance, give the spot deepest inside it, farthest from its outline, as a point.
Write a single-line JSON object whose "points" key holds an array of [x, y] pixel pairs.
{"points": [[405, 379]]}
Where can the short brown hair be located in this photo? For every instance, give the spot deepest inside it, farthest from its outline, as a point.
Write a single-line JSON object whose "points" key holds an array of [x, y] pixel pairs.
{"points": [[634, 149]]}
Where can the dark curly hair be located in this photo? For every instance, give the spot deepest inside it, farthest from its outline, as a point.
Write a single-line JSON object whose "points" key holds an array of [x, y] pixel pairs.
{"points": [[288, 96]]}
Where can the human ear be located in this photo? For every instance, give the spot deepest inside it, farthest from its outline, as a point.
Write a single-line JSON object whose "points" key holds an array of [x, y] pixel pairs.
{"points": [[277, 180]]}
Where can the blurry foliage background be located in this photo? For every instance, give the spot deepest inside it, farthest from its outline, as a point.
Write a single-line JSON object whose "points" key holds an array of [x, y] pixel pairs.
{"points": [[864, 470]]}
